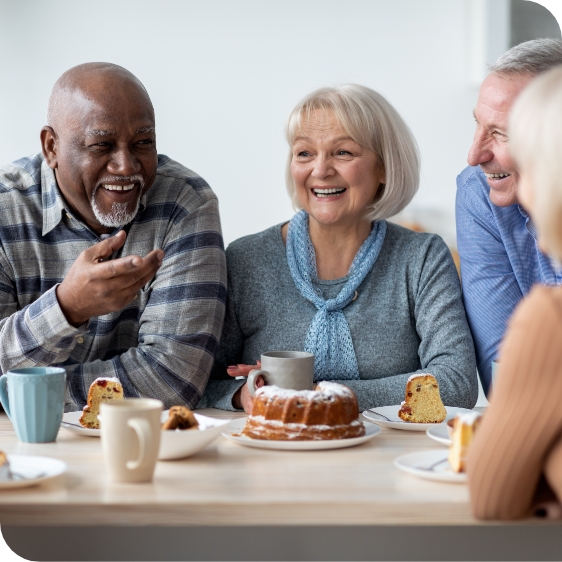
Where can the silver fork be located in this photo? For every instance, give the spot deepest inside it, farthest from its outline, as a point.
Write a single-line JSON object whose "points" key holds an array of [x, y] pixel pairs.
{"points": [[72, 424], [380, 415], [431, 467], [18, 476]]}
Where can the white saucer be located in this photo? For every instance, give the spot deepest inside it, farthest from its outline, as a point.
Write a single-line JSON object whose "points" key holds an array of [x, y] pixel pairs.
{"points": [[440, 433], [237, 425], [70, 422], [413, 463], [34, 470], [391, 412]]}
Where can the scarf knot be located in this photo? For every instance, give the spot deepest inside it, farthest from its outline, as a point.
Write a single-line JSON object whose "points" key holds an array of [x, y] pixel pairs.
{"points": [[328, 336]]}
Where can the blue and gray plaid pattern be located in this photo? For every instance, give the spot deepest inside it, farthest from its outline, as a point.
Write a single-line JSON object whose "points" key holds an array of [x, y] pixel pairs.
{"points": [[500, 262], [162, 345]]}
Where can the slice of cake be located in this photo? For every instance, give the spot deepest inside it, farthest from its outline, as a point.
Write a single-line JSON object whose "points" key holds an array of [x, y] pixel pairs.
{"points": [[328, 412], [5, 473], [101, 390], [423, 402], [180, 417], [464, 428]]}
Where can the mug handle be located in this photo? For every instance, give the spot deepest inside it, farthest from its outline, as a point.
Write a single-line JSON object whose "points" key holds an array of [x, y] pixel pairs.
{"points": [[142, 429], [254, 374], [4, 395]]}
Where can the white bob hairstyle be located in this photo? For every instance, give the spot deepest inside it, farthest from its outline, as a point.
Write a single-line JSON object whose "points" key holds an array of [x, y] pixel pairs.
{"points": [[535, 142], [373, 123]]}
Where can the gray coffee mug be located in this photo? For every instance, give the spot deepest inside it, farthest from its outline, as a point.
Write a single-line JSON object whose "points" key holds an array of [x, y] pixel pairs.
{"points": [[286, 369]]}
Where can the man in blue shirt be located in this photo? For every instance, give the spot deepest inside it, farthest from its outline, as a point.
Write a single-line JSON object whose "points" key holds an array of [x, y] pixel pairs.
{"points": [[500, 258]]}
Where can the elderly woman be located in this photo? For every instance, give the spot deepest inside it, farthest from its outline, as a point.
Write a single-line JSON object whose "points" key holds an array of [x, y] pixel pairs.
{"points": [[374, 302], [515, 462]]}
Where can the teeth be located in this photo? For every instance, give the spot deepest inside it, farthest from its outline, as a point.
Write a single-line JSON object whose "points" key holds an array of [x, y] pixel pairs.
{"points": [[497, 176], [329, 191], [111, 187]]}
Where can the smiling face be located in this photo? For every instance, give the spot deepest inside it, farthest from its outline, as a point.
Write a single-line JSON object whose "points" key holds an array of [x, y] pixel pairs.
{"points": [[335, 178], [102, 147], [489, 148]]}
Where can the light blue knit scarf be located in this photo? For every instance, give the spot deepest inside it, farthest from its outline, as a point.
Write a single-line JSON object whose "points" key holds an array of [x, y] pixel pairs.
{"points": [[328, 335]]}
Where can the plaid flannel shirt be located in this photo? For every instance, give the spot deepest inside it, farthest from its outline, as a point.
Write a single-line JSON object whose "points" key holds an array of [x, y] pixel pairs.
{"points": [[161, 345]]}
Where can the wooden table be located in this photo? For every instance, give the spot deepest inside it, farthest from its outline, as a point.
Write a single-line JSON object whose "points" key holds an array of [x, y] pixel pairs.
{"points": [[227, 486]]}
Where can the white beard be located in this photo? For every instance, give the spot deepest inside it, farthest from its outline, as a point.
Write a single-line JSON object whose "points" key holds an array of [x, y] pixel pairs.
{"points": [[118, 216]]}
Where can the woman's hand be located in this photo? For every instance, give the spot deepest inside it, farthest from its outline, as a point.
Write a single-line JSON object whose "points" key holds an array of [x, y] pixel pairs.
{"points": [[242, 370], [243, 399]]}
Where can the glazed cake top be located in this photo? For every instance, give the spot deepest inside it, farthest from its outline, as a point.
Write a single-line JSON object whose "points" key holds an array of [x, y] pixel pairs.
{"points": [[323, 388], [109, 379], [417, 375]]}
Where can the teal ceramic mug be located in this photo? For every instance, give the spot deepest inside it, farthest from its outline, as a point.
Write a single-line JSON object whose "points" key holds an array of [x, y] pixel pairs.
{"points": [[33, 398]]}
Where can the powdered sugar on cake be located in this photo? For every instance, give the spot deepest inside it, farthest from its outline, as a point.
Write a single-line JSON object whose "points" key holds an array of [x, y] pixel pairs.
{"points": [[417, 375], [329, 412], [109, 379], [322, 388]]}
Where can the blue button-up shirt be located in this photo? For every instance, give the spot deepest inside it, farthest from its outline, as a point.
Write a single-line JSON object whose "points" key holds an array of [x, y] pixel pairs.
{"points": [[500, 262]]}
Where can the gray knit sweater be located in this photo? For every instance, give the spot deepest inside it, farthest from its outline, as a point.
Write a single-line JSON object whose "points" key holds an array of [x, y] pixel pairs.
{"points": [[408, 318]]}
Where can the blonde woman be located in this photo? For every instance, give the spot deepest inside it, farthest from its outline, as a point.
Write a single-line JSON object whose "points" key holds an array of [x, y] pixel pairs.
{"points": [[516, 459], [373, 301]]}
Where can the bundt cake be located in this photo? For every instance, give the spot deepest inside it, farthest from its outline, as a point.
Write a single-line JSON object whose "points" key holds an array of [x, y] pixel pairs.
{"points": [[464, 428], [180, 417], [329, 412], [101, 390], [423, 402]]}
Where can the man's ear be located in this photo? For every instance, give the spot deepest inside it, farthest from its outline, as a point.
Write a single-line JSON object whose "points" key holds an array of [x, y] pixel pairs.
{"points": [[49, 146]]}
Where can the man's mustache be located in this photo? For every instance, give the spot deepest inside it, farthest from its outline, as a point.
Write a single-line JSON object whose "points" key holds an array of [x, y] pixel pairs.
{"points": [[112, 179]]}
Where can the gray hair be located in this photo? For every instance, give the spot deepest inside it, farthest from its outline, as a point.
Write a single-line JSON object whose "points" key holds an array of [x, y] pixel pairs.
{"points": [[371, 121], [535, 133], [531, 57]]}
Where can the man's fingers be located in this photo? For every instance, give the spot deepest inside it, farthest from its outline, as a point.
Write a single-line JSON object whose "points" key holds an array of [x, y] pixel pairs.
{"points": [[132, 267], [105, 248]]}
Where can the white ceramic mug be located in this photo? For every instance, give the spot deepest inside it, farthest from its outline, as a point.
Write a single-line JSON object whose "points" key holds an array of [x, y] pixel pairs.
{"points": [[130, 438], [286, 369]]}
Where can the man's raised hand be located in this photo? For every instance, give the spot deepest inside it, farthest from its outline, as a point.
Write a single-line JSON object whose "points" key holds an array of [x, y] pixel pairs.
{"points": [[93, 287]]}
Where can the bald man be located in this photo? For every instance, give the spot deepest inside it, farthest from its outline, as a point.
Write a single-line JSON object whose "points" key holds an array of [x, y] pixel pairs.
{"points": [[111, 259]]}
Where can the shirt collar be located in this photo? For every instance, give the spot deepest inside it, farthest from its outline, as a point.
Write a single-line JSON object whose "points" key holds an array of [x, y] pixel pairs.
{"points": [[53, 203], [529, 224]]}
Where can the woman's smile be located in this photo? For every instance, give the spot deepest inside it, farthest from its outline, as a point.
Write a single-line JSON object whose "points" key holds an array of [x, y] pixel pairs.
{"points": [[328, 193]]}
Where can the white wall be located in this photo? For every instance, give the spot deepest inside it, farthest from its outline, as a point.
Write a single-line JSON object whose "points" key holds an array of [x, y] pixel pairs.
{"points": [[223, 76]]}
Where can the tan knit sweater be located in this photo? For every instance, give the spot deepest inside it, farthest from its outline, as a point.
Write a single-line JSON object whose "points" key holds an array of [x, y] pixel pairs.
{"points": [[520, 438]]}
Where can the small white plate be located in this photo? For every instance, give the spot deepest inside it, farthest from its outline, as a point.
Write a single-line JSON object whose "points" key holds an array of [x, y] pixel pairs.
{"points": [[34, 470], [440, 433], [238, 425], [173, 444], [417, 464], [178, 444], [70, 422], [391, 412]]}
